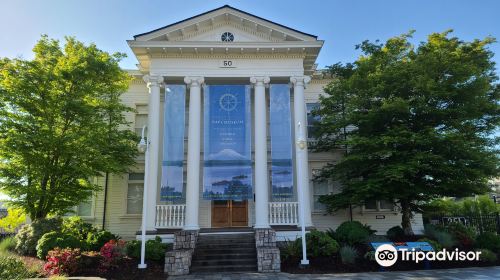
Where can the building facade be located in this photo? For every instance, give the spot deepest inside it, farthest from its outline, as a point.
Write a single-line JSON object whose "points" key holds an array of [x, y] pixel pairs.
{"points": [[225, 97]]}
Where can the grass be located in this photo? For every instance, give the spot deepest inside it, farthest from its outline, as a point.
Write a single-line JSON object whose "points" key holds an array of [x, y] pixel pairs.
{"points": [[7, 244]]}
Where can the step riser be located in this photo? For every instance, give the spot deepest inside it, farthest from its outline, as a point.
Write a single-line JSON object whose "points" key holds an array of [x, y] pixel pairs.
{"points": [[218, 253]]}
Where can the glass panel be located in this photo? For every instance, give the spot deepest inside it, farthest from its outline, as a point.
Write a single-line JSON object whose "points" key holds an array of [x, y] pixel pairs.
{"points": [[371, 205], [134, 198], [85, 209], [136, 176], [281, 142], [140, 121], [172, 179], [311, 120], [386, 205]]}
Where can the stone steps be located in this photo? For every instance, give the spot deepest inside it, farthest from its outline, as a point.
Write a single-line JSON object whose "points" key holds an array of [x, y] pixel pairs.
{"points": [[225, 252]]}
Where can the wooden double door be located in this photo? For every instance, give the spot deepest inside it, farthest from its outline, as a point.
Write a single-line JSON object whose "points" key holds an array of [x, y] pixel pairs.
{"points": [[229, 213]]}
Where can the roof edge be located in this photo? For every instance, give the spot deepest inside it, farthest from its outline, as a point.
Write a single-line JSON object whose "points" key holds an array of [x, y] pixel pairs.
{"points": [[220, 8]]}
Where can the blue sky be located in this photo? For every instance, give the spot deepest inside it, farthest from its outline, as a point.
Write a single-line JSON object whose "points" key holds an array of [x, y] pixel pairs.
{"points": [[342, 24]]}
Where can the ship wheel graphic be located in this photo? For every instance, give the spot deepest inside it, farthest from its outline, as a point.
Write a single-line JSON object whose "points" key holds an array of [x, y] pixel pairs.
{"points": [[228, 102]]}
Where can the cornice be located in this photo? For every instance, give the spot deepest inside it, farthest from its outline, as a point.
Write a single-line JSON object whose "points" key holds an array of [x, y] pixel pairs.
{"points": [[233, 56]]}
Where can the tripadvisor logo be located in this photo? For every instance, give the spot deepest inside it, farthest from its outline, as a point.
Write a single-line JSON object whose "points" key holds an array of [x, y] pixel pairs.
{"points": [[386, 255]]}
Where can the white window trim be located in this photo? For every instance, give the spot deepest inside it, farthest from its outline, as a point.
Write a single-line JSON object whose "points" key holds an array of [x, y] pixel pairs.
{"points": [[92, 210]]}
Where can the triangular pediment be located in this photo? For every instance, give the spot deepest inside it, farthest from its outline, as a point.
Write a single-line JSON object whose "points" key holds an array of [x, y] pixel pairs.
{"points": [[209, 27]]}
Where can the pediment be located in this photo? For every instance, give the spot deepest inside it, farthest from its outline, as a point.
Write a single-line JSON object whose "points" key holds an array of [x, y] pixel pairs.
{"points": [[209, 26]]}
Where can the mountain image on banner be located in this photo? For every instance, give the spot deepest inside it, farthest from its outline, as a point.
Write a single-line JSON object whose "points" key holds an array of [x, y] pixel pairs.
{"points": [[227, 154]]}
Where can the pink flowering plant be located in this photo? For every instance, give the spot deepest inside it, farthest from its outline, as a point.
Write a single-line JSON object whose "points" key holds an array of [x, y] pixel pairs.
{"points": [[112, 253], [62, 261]]}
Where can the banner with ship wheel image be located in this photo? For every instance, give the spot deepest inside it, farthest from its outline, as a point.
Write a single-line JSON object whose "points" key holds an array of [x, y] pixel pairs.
{"points": [[227, 168]]}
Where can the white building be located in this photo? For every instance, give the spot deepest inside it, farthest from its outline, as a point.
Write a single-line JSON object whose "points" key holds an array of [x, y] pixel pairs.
{"points": [[221, 53]]}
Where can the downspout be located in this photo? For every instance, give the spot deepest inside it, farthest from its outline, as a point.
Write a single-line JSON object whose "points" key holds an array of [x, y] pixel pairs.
{"points": [[105, 199]]}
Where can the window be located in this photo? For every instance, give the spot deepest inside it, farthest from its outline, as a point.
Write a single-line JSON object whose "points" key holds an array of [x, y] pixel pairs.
{"points": [[227, 37], [84, 209], [311, 120], [135, 190], [378, 205], [319, 189], [140, 121]]}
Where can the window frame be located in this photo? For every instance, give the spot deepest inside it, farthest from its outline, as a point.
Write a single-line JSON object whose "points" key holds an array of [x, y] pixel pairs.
{"points": [[378, 209], [330, 190], [126, 198]]}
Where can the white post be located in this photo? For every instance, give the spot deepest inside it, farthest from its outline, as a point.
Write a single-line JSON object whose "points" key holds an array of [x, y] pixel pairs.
{"points": [[143, 147], [301, 156], [261, 175], [153, 83], [193, 156]]}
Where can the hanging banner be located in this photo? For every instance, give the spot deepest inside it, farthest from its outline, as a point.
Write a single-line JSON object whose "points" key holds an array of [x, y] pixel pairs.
{"points": [[172, 170], [281, 142], [227, 168]]}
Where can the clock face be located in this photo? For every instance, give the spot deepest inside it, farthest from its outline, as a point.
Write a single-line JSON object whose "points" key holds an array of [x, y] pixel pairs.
{"points": [[227, 37], [228, 102]]}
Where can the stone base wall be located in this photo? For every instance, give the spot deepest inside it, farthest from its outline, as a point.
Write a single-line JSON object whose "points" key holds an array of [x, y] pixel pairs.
{"points": [[178, 261], [268, 254]]}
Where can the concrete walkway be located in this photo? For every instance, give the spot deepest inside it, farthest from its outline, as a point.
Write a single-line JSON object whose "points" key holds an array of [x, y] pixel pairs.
{"points": [[479, 273]]}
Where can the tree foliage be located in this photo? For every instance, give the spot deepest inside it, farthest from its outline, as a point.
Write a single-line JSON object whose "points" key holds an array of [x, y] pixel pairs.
{"points": [[419, 121], [15, 217], [61, 124]]}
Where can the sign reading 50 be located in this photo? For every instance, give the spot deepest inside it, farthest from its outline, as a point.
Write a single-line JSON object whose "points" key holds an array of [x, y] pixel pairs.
{"points": [[227, 64]]}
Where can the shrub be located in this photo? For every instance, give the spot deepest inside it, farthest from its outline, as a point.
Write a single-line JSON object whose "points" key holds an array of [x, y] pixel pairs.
{"points": [[462, 234], [437, 233], [13, 268], [348, 254], [290, 249], [28, 235], [320, 244], [77, 228], [62, 261], [112, 253], [352, 233], [396, 233], [54, 239], [155, 249], [487, 256], [370, 255], [8, 244], [435, 245], [95, 240], [488, 240]]}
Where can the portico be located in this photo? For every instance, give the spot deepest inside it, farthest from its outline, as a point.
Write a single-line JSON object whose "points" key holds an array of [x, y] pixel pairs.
{"points": [[226, 47]]}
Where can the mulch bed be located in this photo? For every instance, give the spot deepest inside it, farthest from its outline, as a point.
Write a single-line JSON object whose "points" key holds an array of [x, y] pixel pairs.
{"points": [[128, 271]]}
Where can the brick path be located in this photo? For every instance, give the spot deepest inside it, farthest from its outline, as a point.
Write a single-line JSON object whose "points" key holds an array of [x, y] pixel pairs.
{"points": [[479, 273]]}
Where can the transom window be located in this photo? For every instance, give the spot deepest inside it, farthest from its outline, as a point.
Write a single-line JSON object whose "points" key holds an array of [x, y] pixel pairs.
{"points": [[227, 37]]}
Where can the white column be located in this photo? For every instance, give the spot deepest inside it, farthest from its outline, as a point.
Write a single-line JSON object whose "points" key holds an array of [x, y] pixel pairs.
{"points": [[153, 83], [261, 175], [193, 156], [301, 156]]}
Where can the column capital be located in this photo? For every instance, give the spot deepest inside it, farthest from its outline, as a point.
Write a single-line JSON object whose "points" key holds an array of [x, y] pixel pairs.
{"points": [[300, 80], [260, 80], [193, 81], [153, 80]]}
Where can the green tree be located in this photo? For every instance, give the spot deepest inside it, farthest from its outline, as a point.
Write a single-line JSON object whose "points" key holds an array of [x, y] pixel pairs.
{"points": [[61, 124], [15, 217], [420, 119]]}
